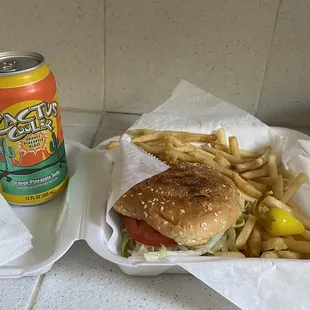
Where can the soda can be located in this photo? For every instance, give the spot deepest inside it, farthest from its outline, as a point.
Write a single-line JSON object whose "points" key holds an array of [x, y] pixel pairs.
{"points": [[33, 167]]}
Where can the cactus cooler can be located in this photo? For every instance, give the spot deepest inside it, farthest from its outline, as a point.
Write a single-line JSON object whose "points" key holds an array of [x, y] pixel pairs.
{"points": [[33, 166]]}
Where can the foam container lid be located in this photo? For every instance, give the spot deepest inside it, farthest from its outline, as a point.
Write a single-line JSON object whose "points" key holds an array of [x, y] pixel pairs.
{"points": [[81, 213]]}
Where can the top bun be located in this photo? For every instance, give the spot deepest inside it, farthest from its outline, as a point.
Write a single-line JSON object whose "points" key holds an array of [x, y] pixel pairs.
{"points": [[189, 202]]}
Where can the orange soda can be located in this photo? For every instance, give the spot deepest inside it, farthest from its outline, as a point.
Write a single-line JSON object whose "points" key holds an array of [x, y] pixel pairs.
{"points": [[33, 167]]}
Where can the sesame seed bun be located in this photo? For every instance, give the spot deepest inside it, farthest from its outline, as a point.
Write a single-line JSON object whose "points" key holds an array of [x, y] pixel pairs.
{"points": [[189, 202]]}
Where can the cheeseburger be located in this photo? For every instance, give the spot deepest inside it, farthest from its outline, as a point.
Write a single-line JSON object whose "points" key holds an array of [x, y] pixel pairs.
{"points": [[185, 210]]}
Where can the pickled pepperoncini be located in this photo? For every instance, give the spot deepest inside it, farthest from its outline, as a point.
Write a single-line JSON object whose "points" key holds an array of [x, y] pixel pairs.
{"points": [[280, 223]]}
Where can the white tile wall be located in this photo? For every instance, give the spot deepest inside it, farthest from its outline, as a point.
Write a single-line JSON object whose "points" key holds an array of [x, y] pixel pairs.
{"points": [[127, 57], [70, 34], [285, 98], [114, 124], [80, 126], [219, 45]]}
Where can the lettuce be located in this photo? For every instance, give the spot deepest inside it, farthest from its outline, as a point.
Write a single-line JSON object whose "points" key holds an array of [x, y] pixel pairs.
{"points": [[150, 253], [223, 242]]}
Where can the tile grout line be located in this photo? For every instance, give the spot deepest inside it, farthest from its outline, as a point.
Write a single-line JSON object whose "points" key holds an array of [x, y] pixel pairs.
{"points": [[93, 140], [104, 60], [268, 55], [35, 292], [78, 110]]}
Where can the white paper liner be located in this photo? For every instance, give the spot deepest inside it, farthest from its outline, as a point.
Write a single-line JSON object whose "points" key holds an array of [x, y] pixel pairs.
{"points": [[249, 283], [131, 166]]}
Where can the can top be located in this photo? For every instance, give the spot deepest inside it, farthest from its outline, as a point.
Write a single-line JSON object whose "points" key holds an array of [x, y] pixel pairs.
{"points": [[13, 63]]}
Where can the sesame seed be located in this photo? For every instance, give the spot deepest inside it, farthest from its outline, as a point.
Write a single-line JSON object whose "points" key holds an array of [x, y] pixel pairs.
{"points": [[204, 228], [142, 202], [203, 224], [145, 214], [215, 220], [139, 194], [219, 212], [180, 233], [159, 188], [162, 202], [216, 214], [149, 201], [191, 226], [152, 203], [158, 228], [182, 211], [172, 218], [152, 189], [131, 195], [165, 222], [162, 192], [145, 206], [161, 208], [210, 208], [124, 196]]}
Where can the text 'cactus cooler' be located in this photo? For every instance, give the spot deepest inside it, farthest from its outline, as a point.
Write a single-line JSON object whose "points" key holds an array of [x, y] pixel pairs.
{"points": [[33, 165]]}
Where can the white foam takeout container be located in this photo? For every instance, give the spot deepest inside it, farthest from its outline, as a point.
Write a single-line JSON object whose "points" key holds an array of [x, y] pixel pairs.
{"points": [[79, 214]]}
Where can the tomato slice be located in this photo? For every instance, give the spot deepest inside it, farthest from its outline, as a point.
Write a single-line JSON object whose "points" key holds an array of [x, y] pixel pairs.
{"points": [[142, 232]]}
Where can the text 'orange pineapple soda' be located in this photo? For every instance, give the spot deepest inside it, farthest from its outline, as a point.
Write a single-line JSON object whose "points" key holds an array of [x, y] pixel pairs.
{"points": [[33, 166]]}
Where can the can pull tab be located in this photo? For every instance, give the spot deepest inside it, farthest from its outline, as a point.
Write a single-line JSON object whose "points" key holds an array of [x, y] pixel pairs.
{"points": [[8, 66]]}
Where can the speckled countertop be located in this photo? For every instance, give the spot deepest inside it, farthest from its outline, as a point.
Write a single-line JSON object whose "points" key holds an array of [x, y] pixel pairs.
{"points": [[83, 280]]}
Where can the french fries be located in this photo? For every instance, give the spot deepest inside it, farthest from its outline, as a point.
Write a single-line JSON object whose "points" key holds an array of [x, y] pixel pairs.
{"points": [[276, 244], [246, 231], [229, 254], [185, 148], [266, 180], [269, 254], [272, 166], [254, 242], [221, 136], [234, 147], [265, 236], [113, 144], [272, 202], [302, 247], [246, 187], [291, 255], [306, 235], [254, 174], [290, 191], [222, 161], [261, 187], [259, 178], [254, 164], [278, 187], [287, 174], [229, 157]]}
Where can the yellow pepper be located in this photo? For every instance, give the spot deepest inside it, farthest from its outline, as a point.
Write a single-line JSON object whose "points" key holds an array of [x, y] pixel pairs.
{"points": [[280, 223]]}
